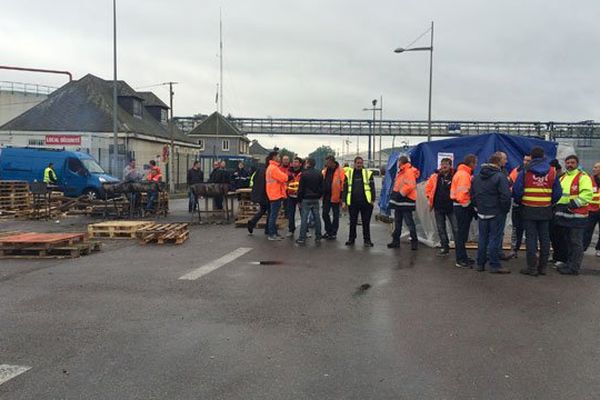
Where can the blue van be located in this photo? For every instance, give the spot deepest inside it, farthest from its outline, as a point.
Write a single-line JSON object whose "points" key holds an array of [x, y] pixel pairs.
{"points": [[78, 173]]}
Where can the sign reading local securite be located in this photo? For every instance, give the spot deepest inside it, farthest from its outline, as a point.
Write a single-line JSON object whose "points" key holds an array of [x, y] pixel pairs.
{"points": [[65, 140]]}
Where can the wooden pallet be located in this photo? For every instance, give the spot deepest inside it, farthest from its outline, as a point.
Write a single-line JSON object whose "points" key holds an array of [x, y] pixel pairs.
{"points": [[35, 252], [163, 233], [41, 240], [116, 229]]}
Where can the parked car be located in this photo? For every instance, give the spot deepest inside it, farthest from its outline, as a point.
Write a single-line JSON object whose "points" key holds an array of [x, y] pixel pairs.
{"points": [[77, 173]]}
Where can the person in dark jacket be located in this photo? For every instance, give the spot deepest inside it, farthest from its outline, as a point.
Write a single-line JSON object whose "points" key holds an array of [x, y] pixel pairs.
{"points": [[259, 196], [490, 195], [359, 196], [437, 190], [536, 189], [219, 175], [310, 191], [194, 176]]}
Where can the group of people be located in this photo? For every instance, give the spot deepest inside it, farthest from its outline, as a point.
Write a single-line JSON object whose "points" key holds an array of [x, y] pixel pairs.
{"points": [[298, 185], [554, 209], [131, 173]]}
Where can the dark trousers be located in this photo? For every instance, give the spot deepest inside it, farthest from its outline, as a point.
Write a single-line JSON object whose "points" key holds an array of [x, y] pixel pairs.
{"points": [[516, 237], [537, 232], [152, 196], [575, 248], [264, 209], [560, 242], [464, 216], [365, 210], [489, 237], [406, 215], [273, 214], [594, 219], [331, 226], [440, 221], [310, 207], [192, 201], [218, 202], [292, 206]]}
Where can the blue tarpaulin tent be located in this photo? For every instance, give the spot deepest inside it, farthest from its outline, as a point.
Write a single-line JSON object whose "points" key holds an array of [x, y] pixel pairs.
{"points": [[426, 155]]}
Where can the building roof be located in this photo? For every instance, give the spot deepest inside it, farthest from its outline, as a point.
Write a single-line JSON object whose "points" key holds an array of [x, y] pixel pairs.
{"points": [[256, 149], [152, 100], [208, 127], [85, 105]]}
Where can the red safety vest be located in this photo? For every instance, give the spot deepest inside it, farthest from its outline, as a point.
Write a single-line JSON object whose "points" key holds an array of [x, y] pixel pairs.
{"points": [[595, 203], [538, 189]]}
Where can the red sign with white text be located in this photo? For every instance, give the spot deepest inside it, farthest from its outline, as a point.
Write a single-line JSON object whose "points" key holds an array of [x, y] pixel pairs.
{"points": [[63, 140]]}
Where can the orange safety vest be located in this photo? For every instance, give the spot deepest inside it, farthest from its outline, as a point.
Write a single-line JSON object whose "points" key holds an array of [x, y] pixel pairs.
{"points": [[154, 178], [460, 190], [430, 188], [406, 181], [574, 192], [337, 184], [538, 189], [275, 181], [294, 184], [595, 203]]}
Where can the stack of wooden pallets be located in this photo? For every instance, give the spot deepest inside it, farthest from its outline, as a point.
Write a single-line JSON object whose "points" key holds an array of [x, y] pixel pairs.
{"points": [[116, 229], [15, 199], [46, 245], [163, 233]]}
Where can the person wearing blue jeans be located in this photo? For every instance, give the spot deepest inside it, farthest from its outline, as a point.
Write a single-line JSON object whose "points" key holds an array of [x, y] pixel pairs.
{"points": [[310, 191], [310, 207], [274, 207], [490, 237], [491, 197]]}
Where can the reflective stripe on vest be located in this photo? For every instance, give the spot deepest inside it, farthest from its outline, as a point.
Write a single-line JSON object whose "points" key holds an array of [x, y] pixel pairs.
{"points": [[579, 212], [366, 177], [538, 189], [252, 179]]}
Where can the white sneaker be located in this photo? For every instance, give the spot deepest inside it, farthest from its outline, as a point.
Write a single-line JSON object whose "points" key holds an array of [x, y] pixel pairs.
{"points": [[559, 264], [597, 253], [289, 234], [308, 235], [275, 237]]}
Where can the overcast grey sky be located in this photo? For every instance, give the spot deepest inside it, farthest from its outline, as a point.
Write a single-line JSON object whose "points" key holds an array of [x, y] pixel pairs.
{"points": [[502, 60]]}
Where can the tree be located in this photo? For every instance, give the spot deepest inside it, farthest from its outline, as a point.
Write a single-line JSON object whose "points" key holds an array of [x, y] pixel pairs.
{"points": [[319, 155]]}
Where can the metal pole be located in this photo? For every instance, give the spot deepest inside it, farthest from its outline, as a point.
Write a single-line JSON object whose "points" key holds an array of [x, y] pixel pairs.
{"points": [[221, 62], [380, 126], [115, 105], [430, 85], [172, 148]]}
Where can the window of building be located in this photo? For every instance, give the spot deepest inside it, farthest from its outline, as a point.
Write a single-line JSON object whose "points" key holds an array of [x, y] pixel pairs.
{"points": [[137, 108], [201, 144], [163, 116], [36, 142], [225, 145]]}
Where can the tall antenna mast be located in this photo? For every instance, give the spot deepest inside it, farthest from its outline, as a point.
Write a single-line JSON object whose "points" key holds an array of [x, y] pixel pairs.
{"points": [[221, 61]]}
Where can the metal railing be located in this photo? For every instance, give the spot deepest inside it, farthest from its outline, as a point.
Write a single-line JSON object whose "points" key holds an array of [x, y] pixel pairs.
{"points": [[26, 88]]}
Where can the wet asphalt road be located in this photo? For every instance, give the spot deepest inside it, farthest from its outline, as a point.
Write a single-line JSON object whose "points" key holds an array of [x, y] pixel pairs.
{"points": [[121, 325]]}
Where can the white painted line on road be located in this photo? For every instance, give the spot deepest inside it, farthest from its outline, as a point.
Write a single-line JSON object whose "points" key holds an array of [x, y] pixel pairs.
{"points": [[7, 372], [218, 263]]}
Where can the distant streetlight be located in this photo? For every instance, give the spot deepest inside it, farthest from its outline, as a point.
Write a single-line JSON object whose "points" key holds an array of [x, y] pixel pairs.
{"points": [[430, 50], [115, 124], [372, 133]]}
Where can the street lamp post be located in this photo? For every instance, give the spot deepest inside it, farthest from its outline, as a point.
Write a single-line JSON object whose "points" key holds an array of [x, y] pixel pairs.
{"points": [[430, 50], [372, 128], [115, 125]]}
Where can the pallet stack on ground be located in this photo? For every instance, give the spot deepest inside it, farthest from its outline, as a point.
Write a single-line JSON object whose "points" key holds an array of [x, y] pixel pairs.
{"points": [[48, 207], [247, 209], [15, 199], [162, 233], [116, 229], [32, 245]]}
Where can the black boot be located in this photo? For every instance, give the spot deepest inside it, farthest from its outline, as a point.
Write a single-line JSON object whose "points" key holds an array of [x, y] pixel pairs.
{"points": [[414, 244], [393, 245]]}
